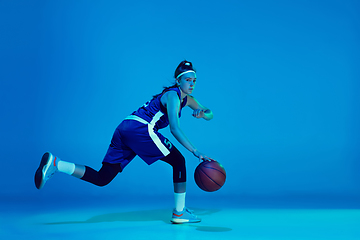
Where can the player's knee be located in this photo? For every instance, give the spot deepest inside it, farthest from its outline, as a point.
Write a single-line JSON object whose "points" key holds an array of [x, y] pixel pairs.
{"points": [[181, 160], [102, 183]]}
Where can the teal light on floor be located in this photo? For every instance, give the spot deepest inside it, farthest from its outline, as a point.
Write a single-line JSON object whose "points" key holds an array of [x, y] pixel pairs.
{"points": [[151, 221]]}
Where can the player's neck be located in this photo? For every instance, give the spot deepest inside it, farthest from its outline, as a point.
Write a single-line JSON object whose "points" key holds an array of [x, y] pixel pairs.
{"points": [[183, 95]]}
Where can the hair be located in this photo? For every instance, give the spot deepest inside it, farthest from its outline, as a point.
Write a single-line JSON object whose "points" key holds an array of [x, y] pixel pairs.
{"points": [[182, 67]]}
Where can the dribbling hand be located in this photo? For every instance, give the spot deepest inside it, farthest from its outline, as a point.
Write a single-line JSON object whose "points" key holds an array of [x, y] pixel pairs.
{"points": [[202, 156]]}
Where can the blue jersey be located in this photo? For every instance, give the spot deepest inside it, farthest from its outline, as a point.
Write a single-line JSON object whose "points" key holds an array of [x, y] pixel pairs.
{"points": [[138, 135], [155, 113]]}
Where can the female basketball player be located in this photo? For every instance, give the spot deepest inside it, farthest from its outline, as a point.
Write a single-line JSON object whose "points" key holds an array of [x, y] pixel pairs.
{"points": [[138, 135]]}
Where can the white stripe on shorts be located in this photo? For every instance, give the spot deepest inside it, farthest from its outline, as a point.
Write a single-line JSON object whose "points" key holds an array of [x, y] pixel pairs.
{"points": [[155, 137], [152, 134]]}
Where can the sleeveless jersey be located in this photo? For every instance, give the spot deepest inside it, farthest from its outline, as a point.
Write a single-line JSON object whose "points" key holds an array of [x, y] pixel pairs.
{"points": [[155, 113]]}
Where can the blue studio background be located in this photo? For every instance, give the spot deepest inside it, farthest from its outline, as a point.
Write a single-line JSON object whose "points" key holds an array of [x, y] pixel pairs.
{"points": [[282, 78]]}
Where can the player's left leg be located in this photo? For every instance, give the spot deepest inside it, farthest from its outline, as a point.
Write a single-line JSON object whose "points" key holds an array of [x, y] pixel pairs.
{"points": [[181, 214]]}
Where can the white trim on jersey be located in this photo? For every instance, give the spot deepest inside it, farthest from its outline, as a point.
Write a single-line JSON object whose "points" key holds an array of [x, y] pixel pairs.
{"points": [[136, 118]]}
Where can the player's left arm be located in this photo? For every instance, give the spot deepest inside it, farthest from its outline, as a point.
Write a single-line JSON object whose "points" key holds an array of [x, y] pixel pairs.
{"points": [[199, 110]]}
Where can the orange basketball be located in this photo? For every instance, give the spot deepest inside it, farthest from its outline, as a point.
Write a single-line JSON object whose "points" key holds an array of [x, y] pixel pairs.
{"points": [[210, 176]]}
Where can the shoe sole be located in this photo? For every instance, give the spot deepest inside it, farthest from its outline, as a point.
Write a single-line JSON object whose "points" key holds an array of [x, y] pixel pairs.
{"points": [[179, 221], [40, 174]]}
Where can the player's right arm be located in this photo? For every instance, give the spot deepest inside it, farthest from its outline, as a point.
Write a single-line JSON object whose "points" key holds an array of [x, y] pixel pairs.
{"points": [[172, 102]]}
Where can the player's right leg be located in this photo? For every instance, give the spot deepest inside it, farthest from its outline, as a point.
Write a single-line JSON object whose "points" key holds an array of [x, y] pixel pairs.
{"points": [[46, 170], [50, 164]]}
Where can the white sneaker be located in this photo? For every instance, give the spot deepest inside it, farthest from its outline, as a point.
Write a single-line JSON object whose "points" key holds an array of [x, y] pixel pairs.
{"points": [[46, 170], [185, 216]]}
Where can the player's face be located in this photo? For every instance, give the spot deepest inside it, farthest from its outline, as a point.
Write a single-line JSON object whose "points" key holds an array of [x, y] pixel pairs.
{"points": [[187, 82]]}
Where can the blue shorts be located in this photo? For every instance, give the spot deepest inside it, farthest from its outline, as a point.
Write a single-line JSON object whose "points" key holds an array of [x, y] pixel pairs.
{"points": [[132, 138]]}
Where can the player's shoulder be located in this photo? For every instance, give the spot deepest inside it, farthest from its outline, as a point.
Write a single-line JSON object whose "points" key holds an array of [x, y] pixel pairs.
{"points": [[171, 93], [190, 98], [166, 96]]}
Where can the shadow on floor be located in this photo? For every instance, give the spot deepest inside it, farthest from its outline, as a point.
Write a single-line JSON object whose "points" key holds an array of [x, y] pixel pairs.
{"points": [[147, 215]]}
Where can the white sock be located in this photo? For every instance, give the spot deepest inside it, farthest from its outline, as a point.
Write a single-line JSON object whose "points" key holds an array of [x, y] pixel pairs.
{"points": [[179, 201], [66, 167]]}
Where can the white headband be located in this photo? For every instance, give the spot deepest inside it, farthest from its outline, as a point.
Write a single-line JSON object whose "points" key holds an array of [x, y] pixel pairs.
{"points": [[186, 72]]}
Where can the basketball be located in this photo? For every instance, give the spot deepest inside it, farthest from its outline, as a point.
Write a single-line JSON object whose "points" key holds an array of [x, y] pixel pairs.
{"points": [[210, 176]]}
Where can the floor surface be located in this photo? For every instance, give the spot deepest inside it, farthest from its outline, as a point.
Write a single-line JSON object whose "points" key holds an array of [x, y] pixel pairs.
{"points": [[99, 219]]}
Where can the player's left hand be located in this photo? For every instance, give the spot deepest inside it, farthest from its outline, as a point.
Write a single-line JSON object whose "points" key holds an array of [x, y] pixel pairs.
{"points": [[198, 113]]}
